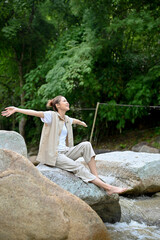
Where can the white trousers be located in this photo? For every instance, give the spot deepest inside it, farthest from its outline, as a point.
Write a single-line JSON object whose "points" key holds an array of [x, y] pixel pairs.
{"points": [[66, 160]]}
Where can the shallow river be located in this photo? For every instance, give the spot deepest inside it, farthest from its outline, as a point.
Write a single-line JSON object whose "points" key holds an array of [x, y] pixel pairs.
{"points": [[133, 231]]}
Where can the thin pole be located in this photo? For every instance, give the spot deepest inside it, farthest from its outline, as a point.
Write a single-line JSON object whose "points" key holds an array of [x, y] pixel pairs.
{"points": [[94, 121]]}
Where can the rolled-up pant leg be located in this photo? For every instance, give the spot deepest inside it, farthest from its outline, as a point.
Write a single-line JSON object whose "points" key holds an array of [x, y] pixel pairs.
{"points": [[66, 161]]}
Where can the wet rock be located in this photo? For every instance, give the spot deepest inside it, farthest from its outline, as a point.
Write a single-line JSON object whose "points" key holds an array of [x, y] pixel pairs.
{"points": [[13, 141], [138, 171], [143, 210], [33, 207], [106, 206], [133, 231]]}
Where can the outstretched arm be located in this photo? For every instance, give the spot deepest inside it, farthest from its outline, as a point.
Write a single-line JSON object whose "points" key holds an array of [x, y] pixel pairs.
{"points": [[11, 110], [77, 121]]}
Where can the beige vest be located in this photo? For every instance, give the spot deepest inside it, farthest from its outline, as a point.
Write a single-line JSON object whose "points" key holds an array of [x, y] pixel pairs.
{"points": [[48, 148]]}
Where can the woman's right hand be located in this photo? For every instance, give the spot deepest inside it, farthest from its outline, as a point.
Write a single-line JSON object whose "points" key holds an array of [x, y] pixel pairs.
{"points": [[9, 111]]}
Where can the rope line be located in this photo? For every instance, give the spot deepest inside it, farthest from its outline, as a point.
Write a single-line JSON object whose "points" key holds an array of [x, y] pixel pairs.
{"points": [[115, 105], [131, 105], [119, 105]]}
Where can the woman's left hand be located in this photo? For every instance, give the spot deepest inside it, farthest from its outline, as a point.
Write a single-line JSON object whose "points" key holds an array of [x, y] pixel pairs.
{"points": [[84, 124]]}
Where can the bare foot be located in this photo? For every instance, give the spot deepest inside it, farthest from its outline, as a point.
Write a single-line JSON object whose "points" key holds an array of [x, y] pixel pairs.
{"points": [[117, 190]]}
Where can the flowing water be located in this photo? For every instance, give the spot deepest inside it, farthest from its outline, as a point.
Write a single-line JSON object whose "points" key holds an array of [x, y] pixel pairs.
{"points": [[133, 231]]}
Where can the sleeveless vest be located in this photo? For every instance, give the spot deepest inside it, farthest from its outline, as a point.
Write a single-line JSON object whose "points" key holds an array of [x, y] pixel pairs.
{"points": [[48, 148]]}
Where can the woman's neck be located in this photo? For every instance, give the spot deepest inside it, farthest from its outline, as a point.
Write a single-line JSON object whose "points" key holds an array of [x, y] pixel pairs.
{"points": [[62, 113]]}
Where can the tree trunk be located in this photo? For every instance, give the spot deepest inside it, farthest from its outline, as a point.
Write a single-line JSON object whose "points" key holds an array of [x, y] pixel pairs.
{"points": [[22, 124], [23, 120]]}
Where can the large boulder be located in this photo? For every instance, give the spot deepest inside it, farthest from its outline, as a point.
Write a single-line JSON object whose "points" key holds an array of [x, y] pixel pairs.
{"points": [[137, 171], [13, 141], [142, 209], [32, 207], [107, 207]]}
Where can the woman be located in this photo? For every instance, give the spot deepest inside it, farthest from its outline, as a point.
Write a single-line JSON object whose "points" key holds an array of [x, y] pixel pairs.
{"points": [[56, 144]]}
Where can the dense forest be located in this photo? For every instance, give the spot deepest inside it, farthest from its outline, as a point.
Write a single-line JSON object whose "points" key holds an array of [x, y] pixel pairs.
{"points": [[103, 51]]}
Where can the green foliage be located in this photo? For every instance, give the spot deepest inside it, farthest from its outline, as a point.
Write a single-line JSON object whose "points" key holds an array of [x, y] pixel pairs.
{"points": [[89, 51]]}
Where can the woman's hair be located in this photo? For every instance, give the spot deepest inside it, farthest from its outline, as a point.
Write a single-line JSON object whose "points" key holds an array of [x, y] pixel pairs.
{"points": [[52, 103]]}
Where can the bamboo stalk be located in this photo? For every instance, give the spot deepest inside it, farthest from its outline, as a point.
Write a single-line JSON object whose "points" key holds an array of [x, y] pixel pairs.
{"points": [[94, 121]]}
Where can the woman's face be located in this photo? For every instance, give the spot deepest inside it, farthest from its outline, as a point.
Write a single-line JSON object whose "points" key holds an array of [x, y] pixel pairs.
{"points": [[63, 104]]}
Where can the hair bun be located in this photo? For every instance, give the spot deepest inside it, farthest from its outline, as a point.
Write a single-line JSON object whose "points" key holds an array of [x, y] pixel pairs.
{"points": [[52, 102], [49, 103]]}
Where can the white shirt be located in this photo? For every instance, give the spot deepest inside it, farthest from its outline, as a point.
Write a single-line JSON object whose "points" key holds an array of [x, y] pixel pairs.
{"points": [[62, 139]]}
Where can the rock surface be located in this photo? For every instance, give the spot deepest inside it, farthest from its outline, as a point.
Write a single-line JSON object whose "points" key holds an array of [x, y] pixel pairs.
{"points": [[33, 160], [139, 171], [143, 210], [143, 147], [32, 207], [107, 207], [148, 149], [98, 151], [13, 141], [138, 146]]}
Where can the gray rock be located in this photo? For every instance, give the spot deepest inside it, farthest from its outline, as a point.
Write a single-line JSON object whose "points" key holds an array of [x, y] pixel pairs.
{"points": [[98, 151], [107, 207], [148, 149], [143, 147], [143, 210], [139, 171], [13, 141], [138, 146], [157, 140]]}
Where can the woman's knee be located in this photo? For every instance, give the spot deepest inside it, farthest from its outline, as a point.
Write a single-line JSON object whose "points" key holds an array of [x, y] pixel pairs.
{"points": [[86, 144]]}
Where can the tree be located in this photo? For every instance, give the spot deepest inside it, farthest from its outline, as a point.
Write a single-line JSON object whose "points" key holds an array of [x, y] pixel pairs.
{"points": [[92, 51], [25, 35]]}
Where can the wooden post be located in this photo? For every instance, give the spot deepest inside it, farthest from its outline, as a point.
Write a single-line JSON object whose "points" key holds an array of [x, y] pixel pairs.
{"points": [[94, 121]]}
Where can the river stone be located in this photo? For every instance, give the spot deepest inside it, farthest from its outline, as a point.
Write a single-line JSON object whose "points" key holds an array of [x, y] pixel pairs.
{"points": [[13, 141], [138, 171], [143, 210], [149, 149], [98, 151], [106, 206], [138, 146], [33, 207]]}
